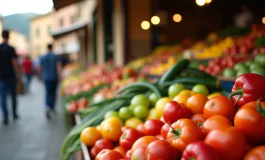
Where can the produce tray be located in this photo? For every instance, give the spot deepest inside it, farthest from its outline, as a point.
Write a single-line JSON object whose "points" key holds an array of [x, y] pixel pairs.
{"points": [[83, 146], [227, 83]]}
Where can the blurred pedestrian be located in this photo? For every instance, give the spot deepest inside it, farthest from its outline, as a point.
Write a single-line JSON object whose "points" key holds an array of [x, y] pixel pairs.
{"points": [[244, 18], [28, 70], [50, 69], [9, 73]]}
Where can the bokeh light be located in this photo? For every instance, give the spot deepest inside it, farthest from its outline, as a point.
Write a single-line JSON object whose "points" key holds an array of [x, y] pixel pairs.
{"points": [[155, 20], [263, 20], [208, 1], [200, 2], [145, 25], [177, 18]]}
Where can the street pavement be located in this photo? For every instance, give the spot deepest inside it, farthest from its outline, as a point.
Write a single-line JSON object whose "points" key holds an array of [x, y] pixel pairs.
{"points": [[32, 137]]}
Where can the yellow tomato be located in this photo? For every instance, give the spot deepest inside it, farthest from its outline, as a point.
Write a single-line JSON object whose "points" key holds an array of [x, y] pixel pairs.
{"points": [[183, 96], [213, 95], [111, 131], [133, 122], [160, 105], [152, 114], [113, 119], [89, 136]]}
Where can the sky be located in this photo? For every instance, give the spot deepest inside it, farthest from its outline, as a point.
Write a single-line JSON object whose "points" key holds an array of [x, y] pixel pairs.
{"points": [[9, 7]]}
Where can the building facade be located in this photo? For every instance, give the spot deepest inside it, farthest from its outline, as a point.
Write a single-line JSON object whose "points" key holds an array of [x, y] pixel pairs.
{"points": [[40, 34]]}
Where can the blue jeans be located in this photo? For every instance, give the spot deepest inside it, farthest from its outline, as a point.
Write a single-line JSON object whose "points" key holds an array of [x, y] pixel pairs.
{"points": [[28, 79], [5, 87], [50, 87]]}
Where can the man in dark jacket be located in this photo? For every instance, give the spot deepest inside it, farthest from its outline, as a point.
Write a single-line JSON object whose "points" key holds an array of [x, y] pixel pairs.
{"points": [[9, 72]]}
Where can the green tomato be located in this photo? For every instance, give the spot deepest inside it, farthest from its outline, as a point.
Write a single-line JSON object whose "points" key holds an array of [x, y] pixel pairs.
{"points": [[242, 71], [254, 66], [111, 114], [229, 72], [239, 66], [153, 98], [140, 111], [260, 71], [174, 89], [200, 89], [125, 113], [140, 99]]}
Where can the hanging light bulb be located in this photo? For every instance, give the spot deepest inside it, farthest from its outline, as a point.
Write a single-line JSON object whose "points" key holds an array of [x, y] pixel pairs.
{"points": [[155, 20]]}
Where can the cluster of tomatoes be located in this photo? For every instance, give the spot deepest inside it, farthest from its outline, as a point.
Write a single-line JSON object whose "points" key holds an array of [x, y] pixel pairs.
{"points": [[74, 106], [208, 129]]}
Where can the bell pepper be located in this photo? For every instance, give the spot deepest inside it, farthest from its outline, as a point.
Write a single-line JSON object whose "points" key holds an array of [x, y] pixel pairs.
{"points": [[247, 88], [200, 151]]}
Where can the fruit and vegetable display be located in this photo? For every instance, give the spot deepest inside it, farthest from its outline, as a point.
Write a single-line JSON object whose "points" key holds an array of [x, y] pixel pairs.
{"points": [[184, 115]]}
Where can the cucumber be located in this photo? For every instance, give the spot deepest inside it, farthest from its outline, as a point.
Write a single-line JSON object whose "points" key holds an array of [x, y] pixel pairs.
{"points": [[174, 71], [196, 73], [147, 85], [209, 82]]}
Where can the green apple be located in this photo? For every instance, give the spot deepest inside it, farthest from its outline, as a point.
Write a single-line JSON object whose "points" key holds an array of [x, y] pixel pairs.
{"points": [[240, 66], [242, 71], [229, 72], [200, 89], [249, 63], [254, 66], [260, 71]]}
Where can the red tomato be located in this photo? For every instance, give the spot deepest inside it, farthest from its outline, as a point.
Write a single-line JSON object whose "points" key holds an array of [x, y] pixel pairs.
{"points": [[128, 154], [120, 150], [143, 142], [257, 153], [219, 105], [161, 149], [251, 122], [109, 155], [103, 144], [183, 132], [139, 154], [140, 128], [198, 119], [124, 128], [93, 152], [230, 142], [101, 153], [152, 127], [164, 130], [215, 122], [174, 111], [200, 151], [128, 138]]}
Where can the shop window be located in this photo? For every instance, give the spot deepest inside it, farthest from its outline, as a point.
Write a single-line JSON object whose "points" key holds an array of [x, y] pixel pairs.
{"points": [[61, 22], [37, 32], [72, 19]]}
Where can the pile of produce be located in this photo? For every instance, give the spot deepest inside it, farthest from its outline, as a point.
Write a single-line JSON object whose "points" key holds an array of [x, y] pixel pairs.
{"points": [[143, 105], [251, 66]]}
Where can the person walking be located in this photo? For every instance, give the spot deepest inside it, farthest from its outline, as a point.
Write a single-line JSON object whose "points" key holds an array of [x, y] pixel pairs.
{"points": [[9, 74], [50, 69], [28, 70]]}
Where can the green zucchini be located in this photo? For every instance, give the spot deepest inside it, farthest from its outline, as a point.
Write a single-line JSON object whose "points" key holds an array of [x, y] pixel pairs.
{"points": [[147, 85], [174, 71], [209, 82], [197, 73]]}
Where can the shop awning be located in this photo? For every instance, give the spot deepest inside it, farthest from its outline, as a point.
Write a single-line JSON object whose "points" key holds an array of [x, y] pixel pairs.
{"points": [[69, 29], [58, 4]]}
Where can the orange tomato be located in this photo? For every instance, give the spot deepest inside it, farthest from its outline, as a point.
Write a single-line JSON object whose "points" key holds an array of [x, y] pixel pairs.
{"points": [[219, 105], [142, 142], [120, 150], [257, 153], [196, 103], [89, 136], [251, 122], [198, 119], [111, 131], [183, 96], [215, 122], [182, 133], [230, 142]]}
